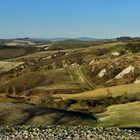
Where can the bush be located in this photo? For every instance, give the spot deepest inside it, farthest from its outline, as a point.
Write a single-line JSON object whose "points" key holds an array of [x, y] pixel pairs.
{"points": [[102, 51], [133, 47], [25, 82]]}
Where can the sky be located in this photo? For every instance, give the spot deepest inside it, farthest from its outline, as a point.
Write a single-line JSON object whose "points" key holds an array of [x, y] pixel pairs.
{"points": [[69, 18]]}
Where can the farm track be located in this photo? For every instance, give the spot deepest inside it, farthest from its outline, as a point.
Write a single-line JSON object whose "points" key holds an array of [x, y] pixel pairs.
{"points": [[90, 85], [81, 77]]}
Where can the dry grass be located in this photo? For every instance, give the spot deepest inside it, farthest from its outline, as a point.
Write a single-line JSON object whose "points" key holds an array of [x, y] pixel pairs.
{"points": [[6, 100], [107, 45], [130, 89], [6, 66], [11, 53]]}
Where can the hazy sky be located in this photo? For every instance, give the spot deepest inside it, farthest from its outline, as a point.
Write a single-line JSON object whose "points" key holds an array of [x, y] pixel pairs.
{"points": [[69, 18]]}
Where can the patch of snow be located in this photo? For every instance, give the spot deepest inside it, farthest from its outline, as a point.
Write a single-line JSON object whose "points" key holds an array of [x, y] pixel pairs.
{"points": [[125, 71], [102, 73]]}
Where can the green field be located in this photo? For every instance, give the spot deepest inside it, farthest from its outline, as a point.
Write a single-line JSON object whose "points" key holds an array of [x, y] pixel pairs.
{"points": [[123, 115]]}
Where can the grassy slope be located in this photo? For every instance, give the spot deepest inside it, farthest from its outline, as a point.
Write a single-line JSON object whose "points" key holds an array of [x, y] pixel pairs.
{"points": [[11, 53], [6, 99], [5, 65], [123, 115], [130, 89], [19, 114], [35, 79], [58, 79], [77, 73], [84, 72], [117, 46], [112, 46]]}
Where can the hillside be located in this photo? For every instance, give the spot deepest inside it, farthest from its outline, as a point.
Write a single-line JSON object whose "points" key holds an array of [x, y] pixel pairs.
{"points": [[73, 81]]}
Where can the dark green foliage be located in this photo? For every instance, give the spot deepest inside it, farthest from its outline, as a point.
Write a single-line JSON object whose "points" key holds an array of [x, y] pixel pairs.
{"points": [[96, 105], [102, 51], [25, 82], [73, 43], [133, 47]]}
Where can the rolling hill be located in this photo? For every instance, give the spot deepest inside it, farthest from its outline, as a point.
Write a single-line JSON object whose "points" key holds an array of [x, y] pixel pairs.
{"points": [[94, 81]]}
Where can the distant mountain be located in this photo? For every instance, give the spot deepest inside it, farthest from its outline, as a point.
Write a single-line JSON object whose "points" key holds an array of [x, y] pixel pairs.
{"points": [[49, 39], [64, 38], [86, 38], [58, 39], [124, 38]]}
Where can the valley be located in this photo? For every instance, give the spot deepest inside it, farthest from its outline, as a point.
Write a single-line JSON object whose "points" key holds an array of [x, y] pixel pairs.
{"points": [[70, 82]]}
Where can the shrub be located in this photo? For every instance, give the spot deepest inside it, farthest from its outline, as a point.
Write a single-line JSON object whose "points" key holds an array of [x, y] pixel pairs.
{"points": [[102, 51], [25, 82], [133, 47]]}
